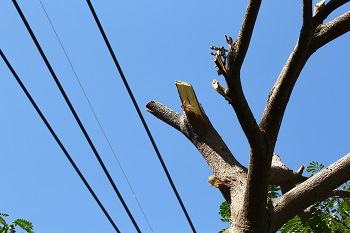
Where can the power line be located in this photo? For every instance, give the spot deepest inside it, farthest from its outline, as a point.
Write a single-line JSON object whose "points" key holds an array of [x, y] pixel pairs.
{"points": [[139, 113], [58, 140], [94, 113], [75, 115]]}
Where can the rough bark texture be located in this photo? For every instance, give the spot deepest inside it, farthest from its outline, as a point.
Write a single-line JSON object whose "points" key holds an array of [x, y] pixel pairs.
{"points": [[245, 188]]}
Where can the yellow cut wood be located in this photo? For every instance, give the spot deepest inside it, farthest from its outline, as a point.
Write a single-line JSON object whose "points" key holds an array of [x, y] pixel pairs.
{"points": [[188, 98]]}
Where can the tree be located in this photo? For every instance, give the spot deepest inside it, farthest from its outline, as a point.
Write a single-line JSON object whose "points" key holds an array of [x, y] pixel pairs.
{"points": [[330, 215], [245, 189]]}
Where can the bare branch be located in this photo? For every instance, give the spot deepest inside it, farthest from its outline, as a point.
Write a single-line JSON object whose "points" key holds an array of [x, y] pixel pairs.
{"points": [[316, 188], [306, 30], [209, 144], [327, 9], [244, 36], [168, 116], [236, 54], [226, 169], [281, 91], [245, 115], [330, 31]]}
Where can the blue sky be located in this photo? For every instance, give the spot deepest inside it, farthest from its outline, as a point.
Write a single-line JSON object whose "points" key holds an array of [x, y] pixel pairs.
{"points": [[156, 43]]}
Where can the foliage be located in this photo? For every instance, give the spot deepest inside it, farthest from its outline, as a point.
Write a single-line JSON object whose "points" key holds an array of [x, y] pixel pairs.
{"points": [[11, 228], [314, 167], [329, 216], [225, 212]]}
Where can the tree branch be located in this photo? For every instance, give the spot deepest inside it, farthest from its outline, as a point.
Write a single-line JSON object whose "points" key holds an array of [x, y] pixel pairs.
{"points": [[316, 188], [281, 91], [168, 116], [231, 174], [244, 36], [306, 30], [210, 144], [327, 9], [325, 33], [234, 93]]}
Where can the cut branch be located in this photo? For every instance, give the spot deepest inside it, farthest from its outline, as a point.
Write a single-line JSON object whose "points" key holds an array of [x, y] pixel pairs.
{"points": [[208, 142]]}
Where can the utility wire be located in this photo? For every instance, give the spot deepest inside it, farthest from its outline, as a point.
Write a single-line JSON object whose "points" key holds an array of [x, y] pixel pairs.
{"points": [[58, 140], [94, 113], [75, 115], [140, 114]]}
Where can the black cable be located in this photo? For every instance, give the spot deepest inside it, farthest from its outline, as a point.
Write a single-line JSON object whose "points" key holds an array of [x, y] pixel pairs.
{"points": [[75, 115], [57, 140], [95, 115], [139, 113]]}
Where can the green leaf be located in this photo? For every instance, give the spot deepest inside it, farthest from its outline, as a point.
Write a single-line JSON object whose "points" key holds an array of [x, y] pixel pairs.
{"points": [[225, 212], [24, 224], [314, 167]]}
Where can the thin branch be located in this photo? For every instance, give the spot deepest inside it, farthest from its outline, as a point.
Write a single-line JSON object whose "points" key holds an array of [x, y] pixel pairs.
{"points": [[220, 89], [236, 53], [306, 30], [330, 31], [316, 188], [244, 36], [327, 9], [245, 116]]}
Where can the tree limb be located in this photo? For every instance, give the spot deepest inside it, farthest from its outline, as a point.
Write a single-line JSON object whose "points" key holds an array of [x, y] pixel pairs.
{"points": [[167, 115], [236, 54], [225, 167], [327, 9], [316, 188], [325, 33], [281, 91], [210, 144]]}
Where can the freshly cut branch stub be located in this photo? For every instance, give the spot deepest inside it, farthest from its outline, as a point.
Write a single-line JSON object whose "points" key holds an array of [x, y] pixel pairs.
{"points": [[191, 107]]}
